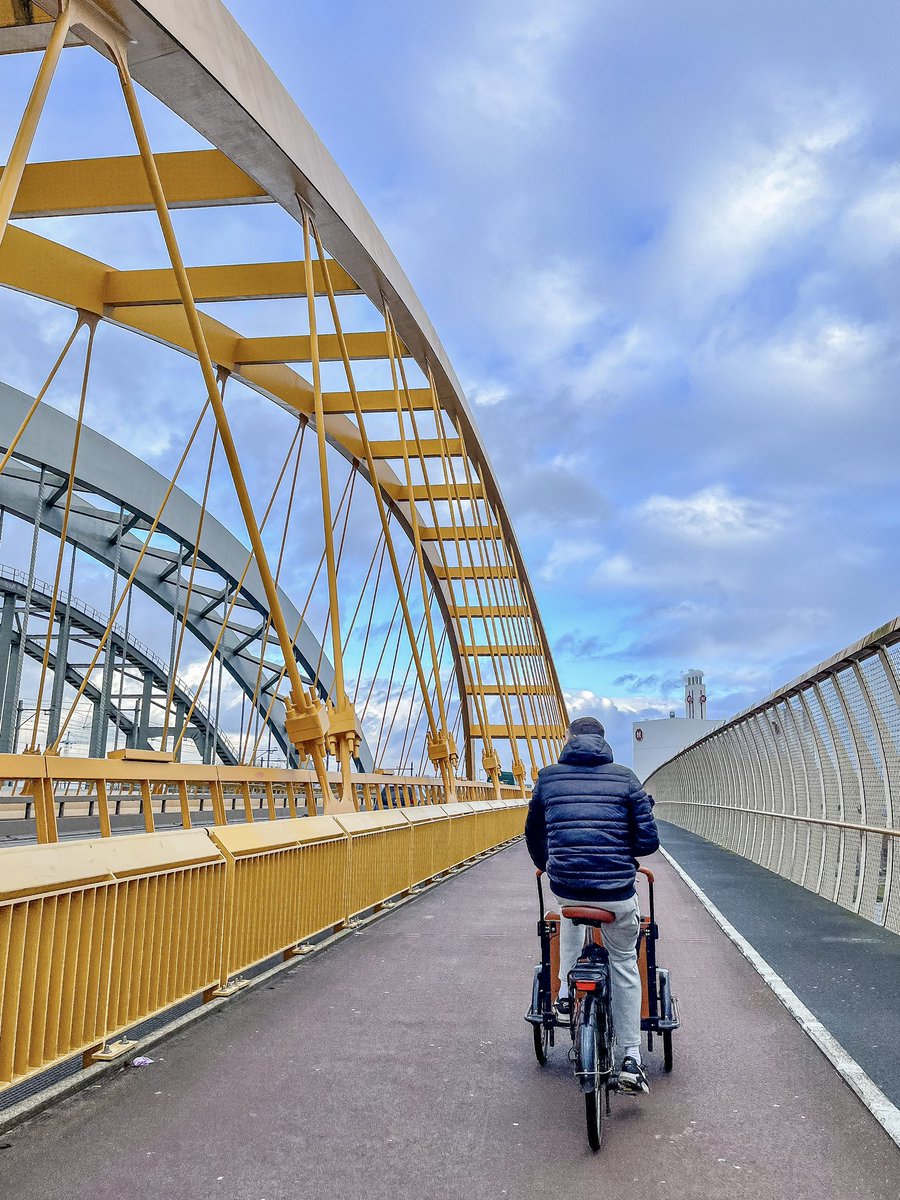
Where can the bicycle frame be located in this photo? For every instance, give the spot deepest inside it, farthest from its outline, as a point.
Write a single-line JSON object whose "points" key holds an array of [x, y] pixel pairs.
{"points": [[590, 1018]]}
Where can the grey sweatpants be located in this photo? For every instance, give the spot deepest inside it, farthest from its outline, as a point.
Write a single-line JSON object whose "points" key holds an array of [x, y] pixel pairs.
{"points": [[620, 940]]}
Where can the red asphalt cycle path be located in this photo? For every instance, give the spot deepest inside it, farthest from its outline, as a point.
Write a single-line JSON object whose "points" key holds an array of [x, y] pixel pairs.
{"points": [[397, 1065]]}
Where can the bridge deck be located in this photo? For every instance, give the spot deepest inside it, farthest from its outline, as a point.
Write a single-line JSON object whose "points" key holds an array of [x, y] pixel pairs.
{"points": [[397, 1065]]}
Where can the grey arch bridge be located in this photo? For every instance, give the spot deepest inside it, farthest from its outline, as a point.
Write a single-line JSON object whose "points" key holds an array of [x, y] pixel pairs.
{"points": [[36, 478]]}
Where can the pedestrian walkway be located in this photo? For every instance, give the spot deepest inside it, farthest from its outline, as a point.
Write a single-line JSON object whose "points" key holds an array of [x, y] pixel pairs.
{"points": [[845, 969], [397, 1065]]}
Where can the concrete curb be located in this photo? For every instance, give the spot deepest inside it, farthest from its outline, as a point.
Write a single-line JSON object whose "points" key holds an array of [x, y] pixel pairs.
{"points": [[882, 1109]]}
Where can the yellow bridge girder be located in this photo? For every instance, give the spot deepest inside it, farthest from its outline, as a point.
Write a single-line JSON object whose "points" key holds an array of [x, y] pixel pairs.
{"points": [[467, 552]]}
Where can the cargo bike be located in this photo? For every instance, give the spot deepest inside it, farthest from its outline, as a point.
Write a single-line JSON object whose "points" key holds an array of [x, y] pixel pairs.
{"points": [[590, 1023]]}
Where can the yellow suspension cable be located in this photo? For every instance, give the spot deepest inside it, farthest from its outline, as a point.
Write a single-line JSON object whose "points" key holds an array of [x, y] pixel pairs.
{"points": [[337, 570], [18, 155], [128, 582], [267, 625], [381, 750], [406, 739], [402, 693], [230, 605], [387, 637], [505, 633], [376, 486], [454, 491], [80, 320], [379, 546], [198, 338], [318, 404], [176, 661], [309, 596], [365, 648], [394, 355], [538, 669], [70, 488]]}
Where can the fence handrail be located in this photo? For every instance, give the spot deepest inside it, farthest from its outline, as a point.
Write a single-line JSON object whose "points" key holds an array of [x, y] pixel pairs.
{"points": [[768, 812], [777, 783]]}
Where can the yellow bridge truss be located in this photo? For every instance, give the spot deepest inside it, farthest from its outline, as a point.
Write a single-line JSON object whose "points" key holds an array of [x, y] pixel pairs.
{"points": [[413, 438], [234, 866]]}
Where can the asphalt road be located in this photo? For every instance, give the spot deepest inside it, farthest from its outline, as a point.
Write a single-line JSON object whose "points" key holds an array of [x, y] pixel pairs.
{"points": [[397, 1066], [845, 969]]}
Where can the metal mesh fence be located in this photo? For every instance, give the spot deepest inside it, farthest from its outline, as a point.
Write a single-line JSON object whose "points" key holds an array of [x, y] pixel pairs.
{"points": [[807, 783]]}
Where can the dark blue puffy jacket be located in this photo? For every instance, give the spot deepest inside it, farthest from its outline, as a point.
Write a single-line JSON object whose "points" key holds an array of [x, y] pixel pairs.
{"points": [[588, 819]]}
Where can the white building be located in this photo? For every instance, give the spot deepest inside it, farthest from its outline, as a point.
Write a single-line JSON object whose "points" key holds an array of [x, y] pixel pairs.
{"points": [[659, 739]]}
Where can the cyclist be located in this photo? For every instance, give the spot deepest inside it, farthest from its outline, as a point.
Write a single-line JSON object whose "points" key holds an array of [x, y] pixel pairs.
{"points": [[589, 818]]}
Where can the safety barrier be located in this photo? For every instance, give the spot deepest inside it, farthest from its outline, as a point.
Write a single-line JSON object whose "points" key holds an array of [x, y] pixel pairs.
{"points": [[430, 852], [97, 935], [380, 845], [286, 881], [807, 783], [47, 790]]}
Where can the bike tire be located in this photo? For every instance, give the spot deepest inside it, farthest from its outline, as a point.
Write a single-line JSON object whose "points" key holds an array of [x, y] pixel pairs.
{"points": [[588, 1054], [593, 1108], [541, 1042], [668, 1057]]}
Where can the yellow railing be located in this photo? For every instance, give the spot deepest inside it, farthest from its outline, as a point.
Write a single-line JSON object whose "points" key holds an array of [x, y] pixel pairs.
{"points": [[98, 934], [47, 790]]}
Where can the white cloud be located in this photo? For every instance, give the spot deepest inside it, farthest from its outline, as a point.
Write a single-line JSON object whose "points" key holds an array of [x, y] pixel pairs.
{"points": [[618, 570], [745, 208], [616, 713], [486, 395], [712, 514], [565, 554], [547, 309], [872, 223], [624, 365], [505, 76]]}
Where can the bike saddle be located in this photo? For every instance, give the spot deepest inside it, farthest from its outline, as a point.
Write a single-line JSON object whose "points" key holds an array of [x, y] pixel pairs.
{"points": [[585, 915]]}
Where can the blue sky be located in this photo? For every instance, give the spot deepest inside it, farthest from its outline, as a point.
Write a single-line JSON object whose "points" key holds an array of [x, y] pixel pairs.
{"points": [[661, 246]]}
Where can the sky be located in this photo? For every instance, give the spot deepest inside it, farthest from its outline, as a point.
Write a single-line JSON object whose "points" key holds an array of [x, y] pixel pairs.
{"points": [[660, 244]]}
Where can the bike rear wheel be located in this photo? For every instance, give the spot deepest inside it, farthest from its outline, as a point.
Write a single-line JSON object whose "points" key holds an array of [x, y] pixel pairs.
{"points": [[590, 1058], [593, 1106]]}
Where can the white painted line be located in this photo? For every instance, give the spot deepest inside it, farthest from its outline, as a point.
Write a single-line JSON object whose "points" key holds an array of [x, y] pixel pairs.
{"points": [[882, 1109]]}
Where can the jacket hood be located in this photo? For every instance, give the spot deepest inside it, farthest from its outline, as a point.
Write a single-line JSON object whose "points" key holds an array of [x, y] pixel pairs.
{"points": [[586, 750]]}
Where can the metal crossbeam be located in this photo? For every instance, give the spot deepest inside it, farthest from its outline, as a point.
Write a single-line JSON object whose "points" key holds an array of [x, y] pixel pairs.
{"points": [[243, 281], [192, 179]]}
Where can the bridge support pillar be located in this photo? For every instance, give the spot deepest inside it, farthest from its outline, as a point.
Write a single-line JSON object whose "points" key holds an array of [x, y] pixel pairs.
{"points": [[142, 715], [180, 713], [7, 671], [59, 680], [97, 747]]}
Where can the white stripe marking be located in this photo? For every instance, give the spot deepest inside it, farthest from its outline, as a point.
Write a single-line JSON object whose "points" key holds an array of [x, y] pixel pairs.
{"points": [[883, 1110]]}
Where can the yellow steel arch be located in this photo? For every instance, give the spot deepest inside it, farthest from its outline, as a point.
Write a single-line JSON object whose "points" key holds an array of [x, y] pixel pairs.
{"points": [[437, 483]]}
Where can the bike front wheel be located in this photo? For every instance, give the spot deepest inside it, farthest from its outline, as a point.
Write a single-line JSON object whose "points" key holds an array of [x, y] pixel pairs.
{"points": [[541, 1042]]}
